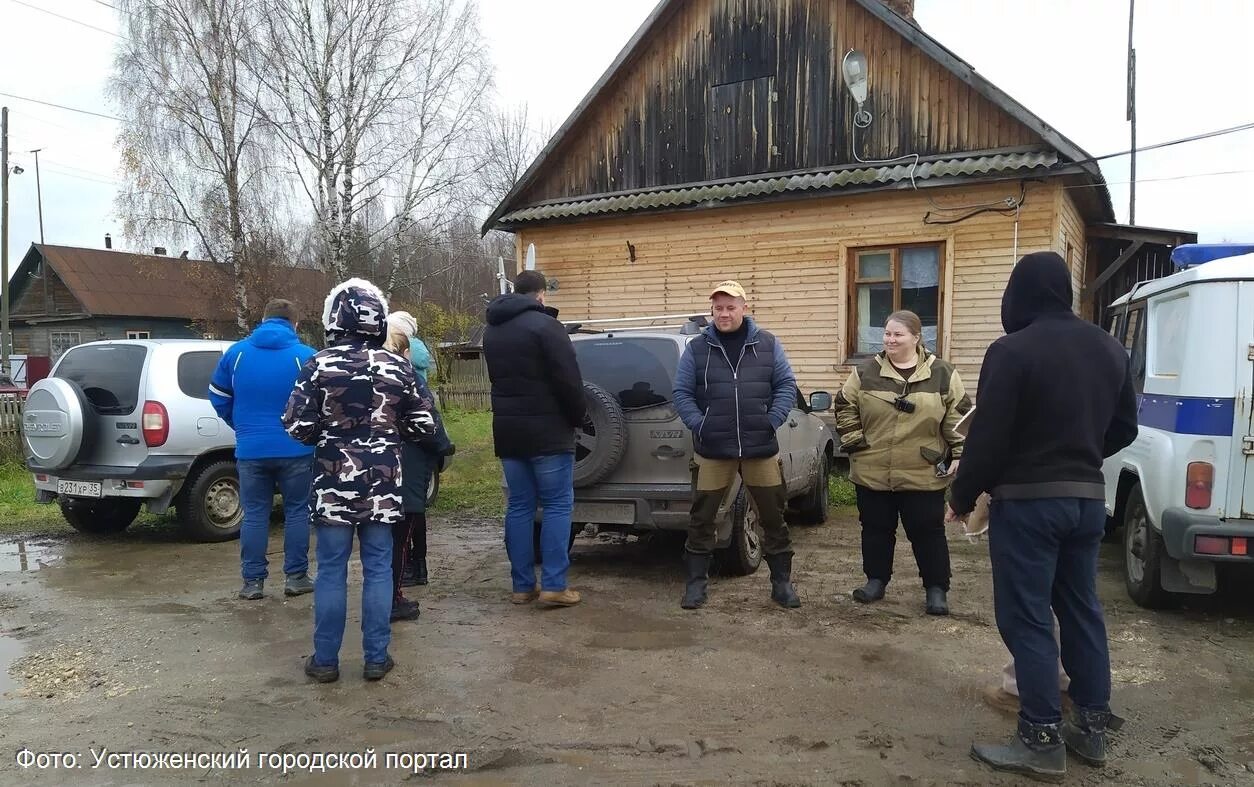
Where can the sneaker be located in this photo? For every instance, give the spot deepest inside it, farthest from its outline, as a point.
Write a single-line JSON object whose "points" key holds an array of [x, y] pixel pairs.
{"points": [[560, 598], [320, 673], [525, 597], [298, 584], [404, 609], [253, 589], [378, 670]]}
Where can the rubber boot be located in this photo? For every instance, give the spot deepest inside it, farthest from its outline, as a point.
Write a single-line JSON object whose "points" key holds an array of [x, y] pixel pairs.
{"points": [[1085, 735], [697, 570], [873, 590], [782, 591], [1036, 751]]}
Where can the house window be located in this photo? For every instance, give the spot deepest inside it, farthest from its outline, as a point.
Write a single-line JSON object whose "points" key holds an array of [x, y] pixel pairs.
{"points": [[888, 279], [60, 341], [139, 334]]}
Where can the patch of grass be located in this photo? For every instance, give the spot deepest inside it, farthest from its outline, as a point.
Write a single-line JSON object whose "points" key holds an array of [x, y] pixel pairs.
{"points": [[472, 483], [840, 491], [19, 513]]}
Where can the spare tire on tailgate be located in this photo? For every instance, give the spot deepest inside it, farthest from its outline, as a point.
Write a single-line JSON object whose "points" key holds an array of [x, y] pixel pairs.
{"points": [[601, 441], [54, 423]]}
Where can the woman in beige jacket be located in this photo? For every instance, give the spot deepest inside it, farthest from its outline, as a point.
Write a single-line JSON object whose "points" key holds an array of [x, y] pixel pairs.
{"points": [[896, 417]]}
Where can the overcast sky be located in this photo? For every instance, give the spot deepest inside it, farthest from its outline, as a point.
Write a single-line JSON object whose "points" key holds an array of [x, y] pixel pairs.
{"points": [[1063, 59]]}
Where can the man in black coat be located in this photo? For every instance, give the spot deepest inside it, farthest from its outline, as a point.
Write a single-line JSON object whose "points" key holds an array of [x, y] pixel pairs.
{"points": [[537, 403], [1055, 398]]}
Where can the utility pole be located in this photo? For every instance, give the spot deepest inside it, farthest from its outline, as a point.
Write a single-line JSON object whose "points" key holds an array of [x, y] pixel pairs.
{"points": [[4, 241], [39, 195], [1132, 111]]}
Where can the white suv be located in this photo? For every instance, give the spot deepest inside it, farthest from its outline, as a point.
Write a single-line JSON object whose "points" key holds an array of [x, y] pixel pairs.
{"points": [[121, 424]]}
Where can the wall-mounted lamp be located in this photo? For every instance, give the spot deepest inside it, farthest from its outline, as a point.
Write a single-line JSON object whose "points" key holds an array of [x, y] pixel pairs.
{"points": [[853, 69]]}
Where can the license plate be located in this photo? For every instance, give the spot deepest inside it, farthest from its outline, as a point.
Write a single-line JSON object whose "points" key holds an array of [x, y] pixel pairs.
{"points": [[79, 488], [605, 513]]}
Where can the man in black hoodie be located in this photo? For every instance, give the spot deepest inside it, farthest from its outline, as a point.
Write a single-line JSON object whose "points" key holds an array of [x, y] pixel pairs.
{"points": [[537, 403], [1055, 399]]}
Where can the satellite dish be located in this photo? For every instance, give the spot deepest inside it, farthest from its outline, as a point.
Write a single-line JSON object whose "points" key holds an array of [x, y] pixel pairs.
{"points": [[853, 69], [529, 262]]}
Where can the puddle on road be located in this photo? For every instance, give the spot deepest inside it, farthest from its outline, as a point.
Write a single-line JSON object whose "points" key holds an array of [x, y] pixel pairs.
{"points": [[25, 556], [10, 651]]}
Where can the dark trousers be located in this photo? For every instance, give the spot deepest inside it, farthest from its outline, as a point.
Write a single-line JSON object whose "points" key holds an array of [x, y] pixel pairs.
{"points": [[1044, 555], [923, 516], [401, 534], [417, 537]]}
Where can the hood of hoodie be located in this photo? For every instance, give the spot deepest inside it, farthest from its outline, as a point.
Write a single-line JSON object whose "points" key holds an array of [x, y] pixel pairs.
{"points": [[1040, 284], [504, 308], [275, 333], [355, 309]]}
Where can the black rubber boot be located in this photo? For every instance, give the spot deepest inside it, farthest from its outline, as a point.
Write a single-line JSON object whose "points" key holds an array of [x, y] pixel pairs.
{"points": [[782, 591], [873, 590], [1085, 735], [1036, 751], [696, 591], [420, 571], [937, 603]]}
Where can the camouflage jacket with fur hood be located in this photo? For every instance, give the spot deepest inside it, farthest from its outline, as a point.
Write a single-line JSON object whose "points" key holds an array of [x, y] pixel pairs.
{"points": [[355, 402]]}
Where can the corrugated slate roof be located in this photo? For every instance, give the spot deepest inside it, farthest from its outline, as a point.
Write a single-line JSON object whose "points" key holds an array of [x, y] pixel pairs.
{"points": [[124, 284], [759, 187]]}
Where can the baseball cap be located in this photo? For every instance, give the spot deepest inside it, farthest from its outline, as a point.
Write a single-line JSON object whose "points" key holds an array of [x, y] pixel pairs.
{"points": [[728, 288]]}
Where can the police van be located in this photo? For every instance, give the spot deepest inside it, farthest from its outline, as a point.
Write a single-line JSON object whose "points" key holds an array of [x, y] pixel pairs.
{"points": [[1183, 492]]}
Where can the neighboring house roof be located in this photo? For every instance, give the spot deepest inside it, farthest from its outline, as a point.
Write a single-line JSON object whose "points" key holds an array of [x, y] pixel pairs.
{"points": [[1072, 155], [125, 284], [758, 186]]}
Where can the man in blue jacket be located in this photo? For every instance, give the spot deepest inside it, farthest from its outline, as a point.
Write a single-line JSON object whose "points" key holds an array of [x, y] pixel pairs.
{"points": [[250, 389], [733, 389]]}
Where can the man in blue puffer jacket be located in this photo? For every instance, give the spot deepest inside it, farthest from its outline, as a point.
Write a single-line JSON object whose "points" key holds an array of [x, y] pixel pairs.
{"points": [[733, 389], [249, 390]]}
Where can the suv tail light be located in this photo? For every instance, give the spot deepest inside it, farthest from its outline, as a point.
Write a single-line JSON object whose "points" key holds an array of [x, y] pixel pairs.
{"points": [[156, 424], [1199, 481]]}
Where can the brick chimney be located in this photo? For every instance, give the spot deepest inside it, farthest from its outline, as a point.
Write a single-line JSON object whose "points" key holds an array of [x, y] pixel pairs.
{"points": [[903, 8]]}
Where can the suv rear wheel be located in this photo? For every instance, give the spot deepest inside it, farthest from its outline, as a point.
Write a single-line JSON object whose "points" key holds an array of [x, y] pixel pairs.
{"points": [[1142, 554], [99, 517], [744, 554], [209, 504]]}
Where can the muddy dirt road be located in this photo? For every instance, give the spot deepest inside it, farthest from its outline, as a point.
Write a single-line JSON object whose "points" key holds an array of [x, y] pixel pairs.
{"points": [[138, 644]]}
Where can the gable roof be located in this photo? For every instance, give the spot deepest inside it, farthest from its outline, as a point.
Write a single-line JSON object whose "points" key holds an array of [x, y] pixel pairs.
{"points": [[1073, 157], [124, 284]]}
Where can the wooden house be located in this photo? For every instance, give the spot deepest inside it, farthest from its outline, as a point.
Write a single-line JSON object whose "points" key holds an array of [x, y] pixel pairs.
{"points": [[723, 143]]}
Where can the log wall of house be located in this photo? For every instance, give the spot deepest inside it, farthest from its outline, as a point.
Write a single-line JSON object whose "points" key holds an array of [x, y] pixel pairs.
{"points": [[50, 297], [724, 88], [793, 258]]}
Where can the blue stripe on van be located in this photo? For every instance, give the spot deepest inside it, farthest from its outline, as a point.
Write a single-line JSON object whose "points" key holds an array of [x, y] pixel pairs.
{"points": [[1187, 414]]}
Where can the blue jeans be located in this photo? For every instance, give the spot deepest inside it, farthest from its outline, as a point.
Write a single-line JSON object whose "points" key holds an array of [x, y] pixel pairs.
{"points": [[257, 481], [1044, 554], [335, 544], [547, 481]]}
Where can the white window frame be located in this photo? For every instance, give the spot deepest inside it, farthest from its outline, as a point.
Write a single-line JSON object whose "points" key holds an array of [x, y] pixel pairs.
{"points": [[52, 342], [139, 334]]}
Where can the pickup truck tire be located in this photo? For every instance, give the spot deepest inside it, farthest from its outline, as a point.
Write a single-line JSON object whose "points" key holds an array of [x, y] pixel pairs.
{"points": [[209, 503], [99, 517], [1142, 554], [744, 554], [813, 507], [601, 441]]}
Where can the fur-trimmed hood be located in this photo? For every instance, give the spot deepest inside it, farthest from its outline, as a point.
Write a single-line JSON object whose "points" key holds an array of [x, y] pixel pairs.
{"points": [[355, 309]]}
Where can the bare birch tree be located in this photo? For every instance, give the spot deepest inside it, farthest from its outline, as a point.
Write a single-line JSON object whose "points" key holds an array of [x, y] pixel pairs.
{"points": [[191, 146]]}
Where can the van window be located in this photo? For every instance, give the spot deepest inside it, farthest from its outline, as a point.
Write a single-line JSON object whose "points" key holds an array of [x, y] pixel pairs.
{"points": [[1134, 343], [1168, 339], [195, 371], [109, 375]]}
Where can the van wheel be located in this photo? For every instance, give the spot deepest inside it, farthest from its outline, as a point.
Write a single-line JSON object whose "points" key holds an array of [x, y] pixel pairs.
{"points": [[1142, 554], [99, 517], [744, 554], [209, 505], [813, 508], [433, 488]]}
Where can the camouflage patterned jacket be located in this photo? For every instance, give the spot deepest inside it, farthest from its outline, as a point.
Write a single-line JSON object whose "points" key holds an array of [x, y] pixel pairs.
{"points": [[355, 402]]}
